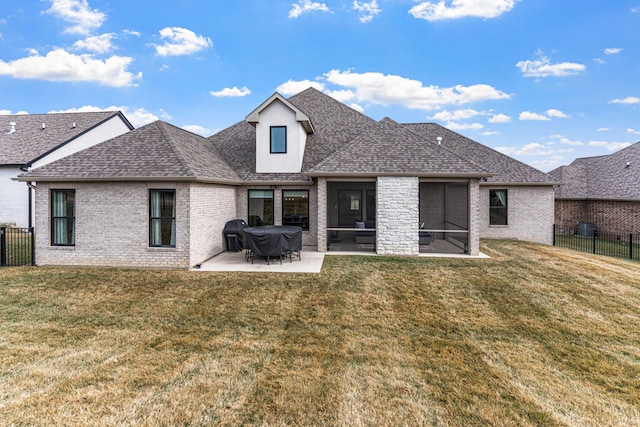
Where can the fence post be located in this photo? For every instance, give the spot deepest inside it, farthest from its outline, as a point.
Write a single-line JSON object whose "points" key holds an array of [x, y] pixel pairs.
{"points": [[3, 247], [32, 231], [630, 245], [595, 236], [554, 234]]}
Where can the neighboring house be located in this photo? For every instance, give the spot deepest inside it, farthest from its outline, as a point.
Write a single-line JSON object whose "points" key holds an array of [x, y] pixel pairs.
{"points": [[28, 141], [603, 190], [160, 196]]}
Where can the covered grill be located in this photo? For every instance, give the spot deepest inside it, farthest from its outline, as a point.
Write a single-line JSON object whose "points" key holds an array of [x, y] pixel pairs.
{"points": [[233, 234]]}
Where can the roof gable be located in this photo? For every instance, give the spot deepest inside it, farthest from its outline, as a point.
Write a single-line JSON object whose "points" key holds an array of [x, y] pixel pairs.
{"points": [[36, 135], [302, 118]]}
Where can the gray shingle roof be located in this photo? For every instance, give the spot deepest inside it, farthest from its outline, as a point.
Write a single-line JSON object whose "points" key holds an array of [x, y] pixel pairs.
{"points": [[507, 169], [602, 177], [334, 123], [30, 141], [158, 150], [390, 148]]}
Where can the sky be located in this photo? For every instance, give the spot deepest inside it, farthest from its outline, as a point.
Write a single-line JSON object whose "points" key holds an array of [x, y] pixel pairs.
{"points": [[544, 81]]}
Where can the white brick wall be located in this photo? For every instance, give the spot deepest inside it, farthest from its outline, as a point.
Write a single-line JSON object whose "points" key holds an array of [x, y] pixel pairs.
{"points": [[397, 216], [210, 208], [530, 214], [112, 226]]}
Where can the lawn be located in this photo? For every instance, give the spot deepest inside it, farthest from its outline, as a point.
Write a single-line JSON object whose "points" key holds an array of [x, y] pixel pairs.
{"points": [[536, 335]]}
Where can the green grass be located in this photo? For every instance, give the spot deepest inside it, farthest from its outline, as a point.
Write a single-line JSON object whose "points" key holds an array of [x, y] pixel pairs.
{"points": [[535, 335]]}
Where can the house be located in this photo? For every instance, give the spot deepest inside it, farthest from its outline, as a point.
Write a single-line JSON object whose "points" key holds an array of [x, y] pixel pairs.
{"points": [[28, 141], [603, 190], [159, 196]]}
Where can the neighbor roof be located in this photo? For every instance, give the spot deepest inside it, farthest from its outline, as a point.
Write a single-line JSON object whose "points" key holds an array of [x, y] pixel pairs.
{"points": [[157, 151], [26, 139], [612, 177]]}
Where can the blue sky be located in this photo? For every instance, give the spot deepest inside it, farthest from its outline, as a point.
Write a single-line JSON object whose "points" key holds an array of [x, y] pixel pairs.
{"points": [[544, 81]]}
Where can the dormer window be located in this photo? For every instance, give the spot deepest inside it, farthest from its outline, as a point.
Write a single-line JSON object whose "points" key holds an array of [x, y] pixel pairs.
{"points": [[278, 139]]}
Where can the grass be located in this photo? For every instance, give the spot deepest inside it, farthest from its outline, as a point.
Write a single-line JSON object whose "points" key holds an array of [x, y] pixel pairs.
{"points": [[535, 335], [603, 246]]}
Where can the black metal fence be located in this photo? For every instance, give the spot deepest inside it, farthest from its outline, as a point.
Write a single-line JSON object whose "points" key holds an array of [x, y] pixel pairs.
{"points": [[619, 245], [17, 246]]}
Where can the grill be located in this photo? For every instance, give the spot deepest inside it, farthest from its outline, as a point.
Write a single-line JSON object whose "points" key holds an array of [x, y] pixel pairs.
{"points": [[233, 234]]}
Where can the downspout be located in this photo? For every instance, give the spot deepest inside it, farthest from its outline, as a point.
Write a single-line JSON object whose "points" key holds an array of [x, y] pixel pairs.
{"points": [[25, 168]]}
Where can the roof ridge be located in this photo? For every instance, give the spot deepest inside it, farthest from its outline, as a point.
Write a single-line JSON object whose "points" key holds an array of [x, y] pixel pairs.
{"points": [[172, 144]]}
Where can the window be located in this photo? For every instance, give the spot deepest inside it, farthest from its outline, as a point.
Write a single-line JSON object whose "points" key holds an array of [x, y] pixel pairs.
{"points": [[63, 217], [162, 218], [260, 207], [295, 208], [278, 139], [498, 207]]}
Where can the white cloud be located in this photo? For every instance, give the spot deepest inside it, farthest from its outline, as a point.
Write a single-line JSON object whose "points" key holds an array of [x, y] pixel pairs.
{"points": [[165, 115], [600, 60], [292, 87], [383, 89], [490, 133], [500, 118], [5, 112], [200, 130], [528, 115], [357, 107], [542, 67], [604, 129], [231, 92], [132, 33], [367, 11], [454, 9], [610, 146], [181, 41], [82, 18], [164, 67], [633, 131], [452, 116], [464, 126], [341, 95], [567, 141], [307, 6], [137, 116], [556, 113], [627, 100], [97, 44], [60, 65], [612, 50]]}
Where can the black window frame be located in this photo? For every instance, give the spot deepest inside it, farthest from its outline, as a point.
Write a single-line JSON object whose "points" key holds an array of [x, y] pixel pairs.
{"points": [[271, 129], [66, 217], [301, 220], [153, 219], [251, 218], [498, 211]]}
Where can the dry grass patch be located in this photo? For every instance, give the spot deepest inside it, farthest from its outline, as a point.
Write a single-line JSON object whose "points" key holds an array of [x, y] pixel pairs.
{"points": [[534, 336]]}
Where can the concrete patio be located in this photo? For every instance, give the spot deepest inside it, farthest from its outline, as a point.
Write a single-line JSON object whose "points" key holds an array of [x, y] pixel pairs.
{"points": [[310, 262]]}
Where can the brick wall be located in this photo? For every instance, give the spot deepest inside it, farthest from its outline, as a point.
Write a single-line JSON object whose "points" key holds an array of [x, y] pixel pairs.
{"points": [[112, 226], [397, 216], [530, 214], [614, 216], [210, 208]]}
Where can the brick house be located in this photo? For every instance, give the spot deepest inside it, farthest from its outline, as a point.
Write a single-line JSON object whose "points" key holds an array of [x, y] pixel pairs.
{"points": [[28, 141], [603, 190], [159, 196]]}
